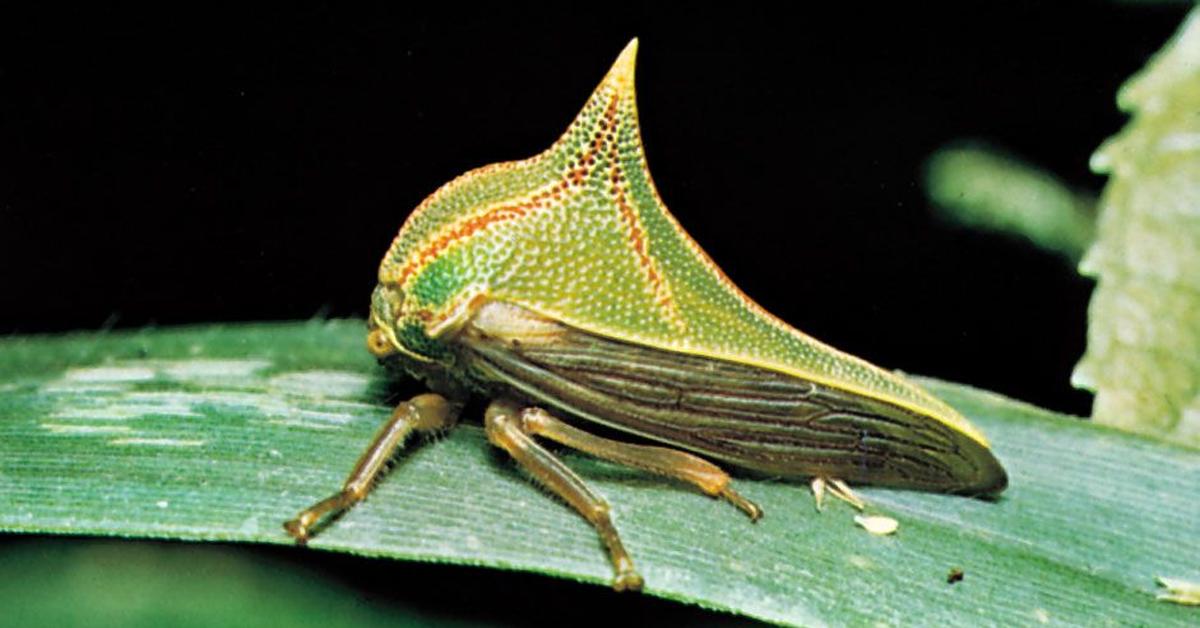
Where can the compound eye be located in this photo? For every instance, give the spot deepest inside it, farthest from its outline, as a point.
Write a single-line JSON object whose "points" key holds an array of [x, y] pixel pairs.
{"points": [[379, 344]]}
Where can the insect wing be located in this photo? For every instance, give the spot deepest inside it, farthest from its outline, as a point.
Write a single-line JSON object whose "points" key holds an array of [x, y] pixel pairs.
{"points": [[753, 417]]}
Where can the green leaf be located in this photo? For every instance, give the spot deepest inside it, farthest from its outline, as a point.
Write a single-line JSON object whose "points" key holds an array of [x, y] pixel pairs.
{"points": [[1143, 355], [985, 189], [222, 433]]}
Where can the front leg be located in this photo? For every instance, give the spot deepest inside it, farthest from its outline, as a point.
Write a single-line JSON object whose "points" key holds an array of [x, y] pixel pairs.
{"points": [[424, 413], [506, 430]]}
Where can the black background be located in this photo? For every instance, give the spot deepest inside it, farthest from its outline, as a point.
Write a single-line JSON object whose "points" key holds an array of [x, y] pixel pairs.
{"points": [[226, 165]]}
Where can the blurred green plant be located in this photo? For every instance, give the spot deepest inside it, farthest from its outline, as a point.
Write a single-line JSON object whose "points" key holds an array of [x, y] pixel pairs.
{"points": [[983, 188], [221, 433], [1143, 354], [101, 584]]}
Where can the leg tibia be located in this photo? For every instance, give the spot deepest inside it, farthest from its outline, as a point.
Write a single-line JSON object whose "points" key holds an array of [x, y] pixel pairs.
{"points": [[506, 430], [672, 463], [428, 412]]}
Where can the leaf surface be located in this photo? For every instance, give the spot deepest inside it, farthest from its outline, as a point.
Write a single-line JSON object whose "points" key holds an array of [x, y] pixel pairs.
{"points": [[223, 432]]}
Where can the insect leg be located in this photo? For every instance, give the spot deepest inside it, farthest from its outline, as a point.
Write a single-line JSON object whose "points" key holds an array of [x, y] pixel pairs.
{"points": [[840, 490], [424, 413], [672, 463], [505, 429]]}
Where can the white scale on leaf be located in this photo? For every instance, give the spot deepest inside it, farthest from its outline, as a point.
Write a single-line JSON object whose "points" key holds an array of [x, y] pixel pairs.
{"points": [[116, 401]]}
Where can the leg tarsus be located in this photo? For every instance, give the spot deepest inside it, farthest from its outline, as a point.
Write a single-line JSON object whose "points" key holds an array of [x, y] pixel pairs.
{"points": [[751, 509], [842, 491], [627, 578], [838, 489], [304, 526]]}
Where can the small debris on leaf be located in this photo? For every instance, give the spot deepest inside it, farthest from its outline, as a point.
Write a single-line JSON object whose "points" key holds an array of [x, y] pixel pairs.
{"points": [[877, 524], [955, 575], [1179, 591]]}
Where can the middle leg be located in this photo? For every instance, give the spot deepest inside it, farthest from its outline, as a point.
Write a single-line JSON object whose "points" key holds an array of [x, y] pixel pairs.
{"points": [[505, 429], [672, 463]]}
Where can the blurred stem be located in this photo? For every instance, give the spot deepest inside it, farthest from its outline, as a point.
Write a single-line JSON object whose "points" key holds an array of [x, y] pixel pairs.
{"points": [[985, 189]]}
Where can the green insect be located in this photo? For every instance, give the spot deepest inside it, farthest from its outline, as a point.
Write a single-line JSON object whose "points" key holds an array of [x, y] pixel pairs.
{"points": [[561, 287]]}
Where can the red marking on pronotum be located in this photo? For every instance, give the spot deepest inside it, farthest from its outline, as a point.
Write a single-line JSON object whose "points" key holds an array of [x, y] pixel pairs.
{"points": [[637, 236], [473, 225], [588, 159], [464, 230]]}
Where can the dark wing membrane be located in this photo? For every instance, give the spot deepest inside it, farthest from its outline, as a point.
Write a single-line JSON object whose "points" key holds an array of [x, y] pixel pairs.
{"points": [[752, 417]]}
